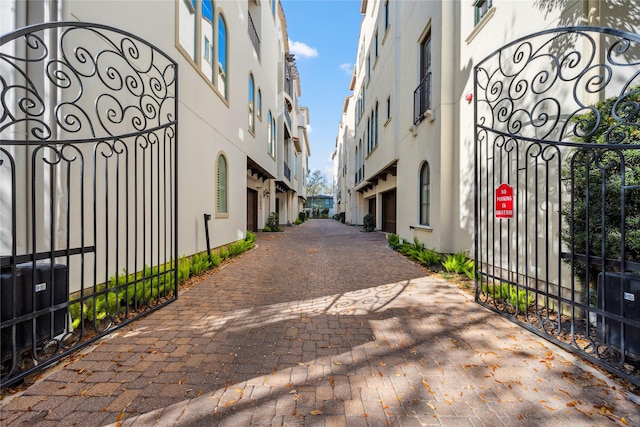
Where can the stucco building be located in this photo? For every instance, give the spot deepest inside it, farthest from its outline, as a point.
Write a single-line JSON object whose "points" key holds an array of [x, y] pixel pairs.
{"points": [[405, 146], [243, 146]]}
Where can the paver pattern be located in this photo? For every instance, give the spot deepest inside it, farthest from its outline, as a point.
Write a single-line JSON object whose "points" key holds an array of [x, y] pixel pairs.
{"points": [[323, 325]]}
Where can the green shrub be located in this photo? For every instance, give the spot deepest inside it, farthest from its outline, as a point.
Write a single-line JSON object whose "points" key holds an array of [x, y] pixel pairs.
{"points": [[184, 269], [429, 257], [511, 294], [200, 263], [297, 221], [250, 237], [598, 172], [266, 229], [273, 223], [223, 252], [236, 248], [369, 223], [418, 245], [457, 263], [215, 259], [393, 240]]}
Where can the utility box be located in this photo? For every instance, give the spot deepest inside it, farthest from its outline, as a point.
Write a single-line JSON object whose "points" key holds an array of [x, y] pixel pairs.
{"points": [[619, 294], [34, 289]]}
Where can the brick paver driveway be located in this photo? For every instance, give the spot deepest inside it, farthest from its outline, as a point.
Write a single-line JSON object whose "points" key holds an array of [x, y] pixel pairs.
{"points": [[322, 325]]}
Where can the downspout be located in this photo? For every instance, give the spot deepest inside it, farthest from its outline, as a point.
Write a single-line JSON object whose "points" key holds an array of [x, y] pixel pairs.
{"points": [[447, 141]]}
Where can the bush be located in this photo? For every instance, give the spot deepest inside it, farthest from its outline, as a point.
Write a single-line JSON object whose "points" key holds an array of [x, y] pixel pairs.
{"points": [[457, 263], [428, 257], [215, 259], [598, 172], [273, 223], [393, 240], [369, 223], [302, 216], [200, 263], [510, 294], [184, 269], [298, 221], [340, 217]]}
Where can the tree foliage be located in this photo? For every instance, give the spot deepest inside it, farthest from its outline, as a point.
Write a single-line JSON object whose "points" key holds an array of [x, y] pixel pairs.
{"points": [[603, 212], [316, 183]]}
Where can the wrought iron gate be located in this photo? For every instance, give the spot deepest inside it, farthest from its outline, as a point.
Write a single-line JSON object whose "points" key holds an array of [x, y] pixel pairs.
{"points": [[557, 195], [88, 195]]}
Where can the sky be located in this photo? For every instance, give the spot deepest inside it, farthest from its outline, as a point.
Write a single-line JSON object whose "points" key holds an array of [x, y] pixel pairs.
{"points": [[323, 35]]}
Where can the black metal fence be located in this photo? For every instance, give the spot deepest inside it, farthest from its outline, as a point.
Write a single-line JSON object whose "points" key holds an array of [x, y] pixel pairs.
{"points": [[88, 201], [558, 190]]}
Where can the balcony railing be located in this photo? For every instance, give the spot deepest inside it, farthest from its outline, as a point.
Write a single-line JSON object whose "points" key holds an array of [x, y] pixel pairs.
{"points": [[359, 174], [422, 99], [287, 116], [253, 35], [288, 79], [287, 171]]}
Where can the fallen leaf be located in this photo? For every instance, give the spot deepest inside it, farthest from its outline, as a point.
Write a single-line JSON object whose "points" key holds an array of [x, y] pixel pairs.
{"points": [[316, 412]]}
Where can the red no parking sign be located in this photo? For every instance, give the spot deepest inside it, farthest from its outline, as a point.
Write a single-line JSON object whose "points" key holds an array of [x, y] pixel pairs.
{"points": [[504, 201]]}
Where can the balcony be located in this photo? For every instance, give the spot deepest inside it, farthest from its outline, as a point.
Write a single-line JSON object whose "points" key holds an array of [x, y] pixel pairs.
{"points": [[422, 99], [287, 171], [359, 174], [253, 35], [287, 117]]}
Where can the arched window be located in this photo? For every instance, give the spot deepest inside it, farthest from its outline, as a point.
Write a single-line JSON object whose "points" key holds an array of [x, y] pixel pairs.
{"points": [[425, 194], [259, 104], [207, 39], [221, 186], [272, 138], [270, 131], [252, 105], [222, 56]]}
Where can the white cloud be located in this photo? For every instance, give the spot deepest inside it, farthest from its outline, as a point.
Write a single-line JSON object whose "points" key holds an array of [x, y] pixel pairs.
{"points": [[347, 68], [301, 49], [309, 129]]}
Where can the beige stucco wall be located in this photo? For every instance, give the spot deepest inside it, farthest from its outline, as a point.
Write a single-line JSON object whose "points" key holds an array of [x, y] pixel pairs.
{"points": [[209, 125]]}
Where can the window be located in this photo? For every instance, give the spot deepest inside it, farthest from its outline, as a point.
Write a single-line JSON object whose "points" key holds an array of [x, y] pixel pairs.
{"points": [[259, 104], [205, 43], [222, 56], [207, 50], [422, 95], [207, 30], [198, 39], [221, 186], [187, 36], [376, 45], [388, 108], [481, 7], [425, 196], [386, 15], [271, 128], [375, 126], [273, 7], [252, 105]]}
